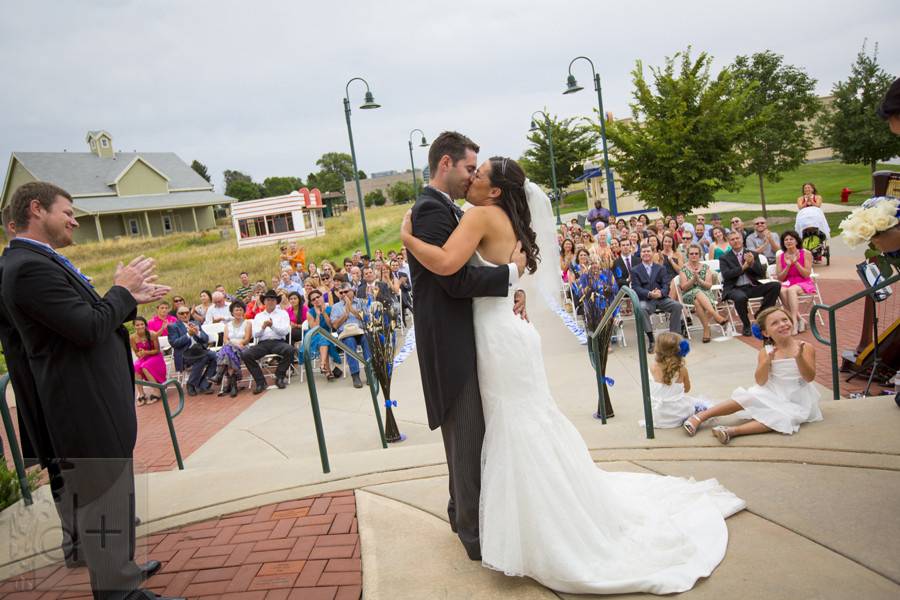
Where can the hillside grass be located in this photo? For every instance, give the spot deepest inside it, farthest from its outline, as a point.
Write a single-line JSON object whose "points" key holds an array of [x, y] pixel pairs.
{"points": [[829, 177]]}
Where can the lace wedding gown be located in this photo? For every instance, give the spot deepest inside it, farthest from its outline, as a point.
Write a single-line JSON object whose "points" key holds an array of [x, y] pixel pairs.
{"points": [[548, 512]]}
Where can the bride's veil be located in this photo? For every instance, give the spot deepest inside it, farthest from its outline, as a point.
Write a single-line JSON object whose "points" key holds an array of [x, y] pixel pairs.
{"points": [[548, 276]]}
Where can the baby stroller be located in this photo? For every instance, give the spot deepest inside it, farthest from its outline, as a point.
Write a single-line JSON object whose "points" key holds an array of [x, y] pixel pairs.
{"points": [[815, 233]]}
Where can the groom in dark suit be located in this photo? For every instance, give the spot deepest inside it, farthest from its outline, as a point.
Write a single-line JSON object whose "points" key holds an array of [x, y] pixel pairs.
{"points": [[445, 333], [78, 352]]}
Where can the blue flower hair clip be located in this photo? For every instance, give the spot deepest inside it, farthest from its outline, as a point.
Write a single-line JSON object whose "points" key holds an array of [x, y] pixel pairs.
{"points": [[757, 332], [683, 348]]}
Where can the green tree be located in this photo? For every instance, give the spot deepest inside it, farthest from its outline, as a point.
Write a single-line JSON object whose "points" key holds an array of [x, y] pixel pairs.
{"points": [[400, 192], [850, 126], [682, 144], [375, 197], [573, 143], [243, 190], [782, 102], [200, 169], [231, 176], [280, 186]]}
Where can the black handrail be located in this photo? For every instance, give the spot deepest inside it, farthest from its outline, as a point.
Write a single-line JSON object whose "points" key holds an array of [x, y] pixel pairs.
{"points": [[314, 396], [14, 448], [594, 351], [169, 414], [832, 326]]}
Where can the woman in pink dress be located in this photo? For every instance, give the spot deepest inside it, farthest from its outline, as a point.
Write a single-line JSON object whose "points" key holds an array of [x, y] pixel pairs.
{"points": [[794, 269], [150, 364]]}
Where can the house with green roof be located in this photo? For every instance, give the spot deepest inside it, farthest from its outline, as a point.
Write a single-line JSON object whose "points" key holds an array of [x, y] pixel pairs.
{"points": [[136, 194]]}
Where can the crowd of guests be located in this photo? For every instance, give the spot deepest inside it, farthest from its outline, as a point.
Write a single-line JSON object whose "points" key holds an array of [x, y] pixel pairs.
{"points": [[260, 319], [676, 266]]}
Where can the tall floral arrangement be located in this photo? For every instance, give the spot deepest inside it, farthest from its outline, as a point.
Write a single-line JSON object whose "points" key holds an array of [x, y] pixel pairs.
{"points": [[380, 324], [595, 288]]}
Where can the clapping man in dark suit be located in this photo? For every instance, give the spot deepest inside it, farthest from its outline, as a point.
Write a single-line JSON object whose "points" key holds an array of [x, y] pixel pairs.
{"points": [[626, 261], [371, 288], [70, 333], [189, 343], [741, 272], [445, 334], [649, 281]]}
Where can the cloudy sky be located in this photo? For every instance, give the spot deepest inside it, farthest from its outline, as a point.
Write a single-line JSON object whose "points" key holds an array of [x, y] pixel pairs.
{"points": [[258, 86]]}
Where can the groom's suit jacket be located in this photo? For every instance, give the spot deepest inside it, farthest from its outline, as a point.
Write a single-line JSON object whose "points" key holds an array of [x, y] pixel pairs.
{"points": [[445, 333]]}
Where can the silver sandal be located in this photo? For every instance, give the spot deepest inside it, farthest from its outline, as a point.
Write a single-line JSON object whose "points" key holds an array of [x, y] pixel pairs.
{"points": [[689, 426], [722, 433]]}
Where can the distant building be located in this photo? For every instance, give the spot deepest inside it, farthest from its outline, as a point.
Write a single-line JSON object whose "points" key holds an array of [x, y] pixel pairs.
{"points": [[378, 183], [378, 174], [134, 194], [279, 218], [820, 151]]}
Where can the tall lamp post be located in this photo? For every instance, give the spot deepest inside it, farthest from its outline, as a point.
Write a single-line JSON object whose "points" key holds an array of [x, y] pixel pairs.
{"points": [[412, 162], [572, 87], [368, 104], [534, 127]]}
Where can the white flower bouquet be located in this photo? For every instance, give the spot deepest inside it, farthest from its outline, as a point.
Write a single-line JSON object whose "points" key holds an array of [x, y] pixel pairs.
{"points": [[875, 216]]}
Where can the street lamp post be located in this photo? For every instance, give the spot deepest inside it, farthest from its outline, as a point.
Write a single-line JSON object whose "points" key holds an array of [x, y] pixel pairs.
{"points": [[412, 162], [534, 127], [572, 87], [368, 104]]}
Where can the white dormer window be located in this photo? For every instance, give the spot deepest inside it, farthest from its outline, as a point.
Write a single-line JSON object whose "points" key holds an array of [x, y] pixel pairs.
{"points": [[104, 142]]}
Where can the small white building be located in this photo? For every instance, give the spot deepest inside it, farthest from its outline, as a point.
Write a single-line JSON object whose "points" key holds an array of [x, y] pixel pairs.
{"points": [[279, 218]]}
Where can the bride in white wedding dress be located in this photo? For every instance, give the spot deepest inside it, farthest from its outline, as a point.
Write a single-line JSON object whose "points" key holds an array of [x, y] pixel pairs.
{"points": [[547, 511]]}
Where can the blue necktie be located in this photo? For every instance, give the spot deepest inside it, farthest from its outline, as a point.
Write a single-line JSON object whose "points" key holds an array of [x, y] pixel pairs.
{"points": [[68, 264]]}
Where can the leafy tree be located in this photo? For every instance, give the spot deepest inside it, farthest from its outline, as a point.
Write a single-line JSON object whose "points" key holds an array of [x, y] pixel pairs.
{"points": [[781, 104], [375, 197], [280, 186], [401, 192], [243, 190], [337, 162], [573, 143], [231, 176], [200, 169], [362, 174], [682, 145], [850, 126]]}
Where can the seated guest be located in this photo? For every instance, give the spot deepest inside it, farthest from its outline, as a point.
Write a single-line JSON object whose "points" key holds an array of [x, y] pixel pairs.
{"points": [[696, 281], [566, 257], [707, 228], [177, 302], [189, 343], [719, 244], [615, 251], [297, 315], [762, 241], [218, 312], [672, 260], [355, 276], [287, 285], [270, 329], [649, 282], [319, 315], [243, 293], [238, 335], [738, 225], [741, 273], [627, 261], [783, 397], [387, 276], [716, 221], [159, 323], [372, 288], [221, 288], [347, 319], [603, 252], [256, 303], [581, 263], [794, 269], [150, 364], [199, 312]]}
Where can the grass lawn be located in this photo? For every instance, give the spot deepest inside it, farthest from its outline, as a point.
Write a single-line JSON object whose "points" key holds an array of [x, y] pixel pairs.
{"points": [[829, 178]]}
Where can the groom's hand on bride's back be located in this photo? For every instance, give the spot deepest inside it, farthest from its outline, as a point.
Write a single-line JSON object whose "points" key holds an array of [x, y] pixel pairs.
{"points": [[519, 258]]}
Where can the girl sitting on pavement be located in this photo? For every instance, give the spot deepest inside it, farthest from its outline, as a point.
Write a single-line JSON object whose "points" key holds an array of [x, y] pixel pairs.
{"points": [[670, 383], [783, 396]]}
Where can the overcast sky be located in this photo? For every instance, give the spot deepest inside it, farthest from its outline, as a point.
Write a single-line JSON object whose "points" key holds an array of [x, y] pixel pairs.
{"points": [[258, 86]]}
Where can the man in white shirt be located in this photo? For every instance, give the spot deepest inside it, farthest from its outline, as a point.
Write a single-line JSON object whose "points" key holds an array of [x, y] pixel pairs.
{"points": [[271, 328], [218, 312]]}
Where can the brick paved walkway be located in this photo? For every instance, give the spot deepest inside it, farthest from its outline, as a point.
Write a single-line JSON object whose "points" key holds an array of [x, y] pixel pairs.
{"points": [[304, 549], [849, 325]]}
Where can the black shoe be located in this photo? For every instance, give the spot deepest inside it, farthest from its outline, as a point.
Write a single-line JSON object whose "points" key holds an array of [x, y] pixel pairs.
{"points": [[217, 378], [651, 347], [337, 373], [191, 390], [280, 383], [207, 390], [234, 389], [259, 388], [748, 331], [149, 569], [143, 594], [357, 382]]}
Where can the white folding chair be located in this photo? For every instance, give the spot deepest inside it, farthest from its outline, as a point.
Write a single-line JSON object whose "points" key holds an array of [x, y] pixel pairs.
{"points": [[214, 331]]}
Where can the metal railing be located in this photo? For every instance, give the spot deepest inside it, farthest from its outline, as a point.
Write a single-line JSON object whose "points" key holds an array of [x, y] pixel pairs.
{"points": [[832, 326], [164, 397], [14, 448], [594, 353], [314, 396]]}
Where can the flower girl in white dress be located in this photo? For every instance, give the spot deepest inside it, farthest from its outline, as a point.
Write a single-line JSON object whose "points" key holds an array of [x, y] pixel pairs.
{"points": [[783, 396], [670, 383]]}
